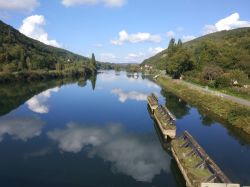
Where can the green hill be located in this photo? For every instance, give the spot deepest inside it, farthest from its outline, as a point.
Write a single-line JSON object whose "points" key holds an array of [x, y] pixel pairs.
{"points": [[19, 53], [210, 59]]}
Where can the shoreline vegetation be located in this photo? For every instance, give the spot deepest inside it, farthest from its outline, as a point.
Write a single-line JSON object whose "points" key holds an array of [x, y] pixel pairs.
{"points": [[15, 94], [26, 59], [40, 75], [219, 61], [235, 114]]}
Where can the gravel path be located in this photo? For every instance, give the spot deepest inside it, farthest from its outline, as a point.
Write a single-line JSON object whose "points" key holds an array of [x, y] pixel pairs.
{"points": [[219, 94]]}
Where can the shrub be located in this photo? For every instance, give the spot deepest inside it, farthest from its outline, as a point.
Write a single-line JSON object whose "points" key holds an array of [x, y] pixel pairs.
{"points": [[212, 72]]}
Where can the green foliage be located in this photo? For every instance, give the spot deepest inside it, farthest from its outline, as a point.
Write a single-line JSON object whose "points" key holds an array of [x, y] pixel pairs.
{"points": [[232, 78], [179, 44], [212, 72], [223, 81], [237, 114], [19, 53], [119, 67], [10, 67], [179, 63], [171, 47], [225, 50], [93, 61]]}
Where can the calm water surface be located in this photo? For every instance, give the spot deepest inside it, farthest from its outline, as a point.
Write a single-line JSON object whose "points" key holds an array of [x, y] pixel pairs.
{"points": [[99, 133]]}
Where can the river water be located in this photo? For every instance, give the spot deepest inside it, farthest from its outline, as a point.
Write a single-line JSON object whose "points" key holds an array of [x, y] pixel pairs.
{"points": [[98, 132]]}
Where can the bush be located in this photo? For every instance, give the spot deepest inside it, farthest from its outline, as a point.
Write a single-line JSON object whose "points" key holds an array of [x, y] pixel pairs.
{"points": [[223, 81], [212, 72], [9, 68], [232, 78]]}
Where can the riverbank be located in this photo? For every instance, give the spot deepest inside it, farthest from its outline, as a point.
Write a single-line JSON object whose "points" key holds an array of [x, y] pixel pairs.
{"points": [[235, 114], [235, 91], [40, 75]]}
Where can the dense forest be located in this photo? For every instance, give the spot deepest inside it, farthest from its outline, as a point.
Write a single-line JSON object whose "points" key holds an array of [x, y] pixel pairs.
{"points": [[219, 59], [21, 56]]}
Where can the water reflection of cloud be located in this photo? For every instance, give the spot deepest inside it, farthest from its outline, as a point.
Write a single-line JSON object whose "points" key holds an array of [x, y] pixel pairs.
{"points": [[20, 128], [152, 85], [38, 153], [38, 103], [148, 83], [133, 95], [134, 155], [107, 77]]}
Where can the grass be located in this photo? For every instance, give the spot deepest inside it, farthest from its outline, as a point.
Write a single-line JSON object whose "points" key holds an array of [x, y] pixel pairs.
{"points": [[237, 92], [189, 163], [163, 121], [235, 114], [152, 100], [241, 92]]}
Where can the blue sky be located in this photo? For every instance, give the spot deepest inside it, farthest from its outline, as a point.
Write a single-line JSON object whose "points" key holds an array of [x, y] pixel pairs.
{"points": [[145, 26]]}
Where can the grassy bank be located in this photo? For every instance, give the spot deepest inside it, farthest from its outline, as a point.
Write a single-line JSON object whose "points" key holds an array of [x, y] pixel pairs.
{"points": [[237, 91], [236, 114]]}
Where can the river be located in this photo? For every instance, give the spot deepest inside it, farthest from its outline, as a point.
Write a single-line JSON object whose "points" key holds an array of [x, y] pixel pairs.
{"points": [[98, 132]]}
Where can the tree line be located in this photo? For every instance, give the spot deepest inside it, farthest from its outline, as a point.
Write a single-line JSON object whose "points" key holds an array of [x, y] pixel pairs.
{"points": [[218, 60]]}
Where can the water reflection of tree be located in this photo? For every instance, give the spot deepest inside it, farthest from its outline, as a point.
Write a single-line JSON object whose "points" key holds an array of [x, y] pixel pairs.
{"points": [[206, 120], [93, 81], [209, 119], [132, 75], [82, 83], [15, 94], [177, 106]]}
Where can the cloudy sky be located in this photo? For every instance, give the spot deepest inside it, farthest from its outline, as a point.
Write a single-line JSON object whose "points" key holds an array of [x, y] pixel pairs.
{"points": [[121, 30]]}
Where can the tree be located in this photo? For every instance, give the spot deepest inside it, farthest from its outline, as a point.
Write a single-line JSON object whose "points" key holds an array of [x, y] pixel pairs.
{"points": [[171, 47], [238, 76], [93, 81], [28, 63], [9, 68], [21, 62], [93, 61], [232, 78], [180, 63], [179, 44], [20, 65], [212, 72]]}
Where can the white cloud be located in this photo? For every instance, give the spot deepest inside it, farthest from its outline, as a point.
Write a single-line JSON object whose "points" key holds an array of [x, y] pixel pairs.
{"points": [[38, 103], [33, 27], [108, 57], [139, 57], [109, 3], [114, 3], [231, 22], [20, 128], [133, 95], [38, 153], [134, 57], [153, 51], [170, 34], [134, 155], [24, 5], [135, 38], [187, 38], [107, 77]]}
